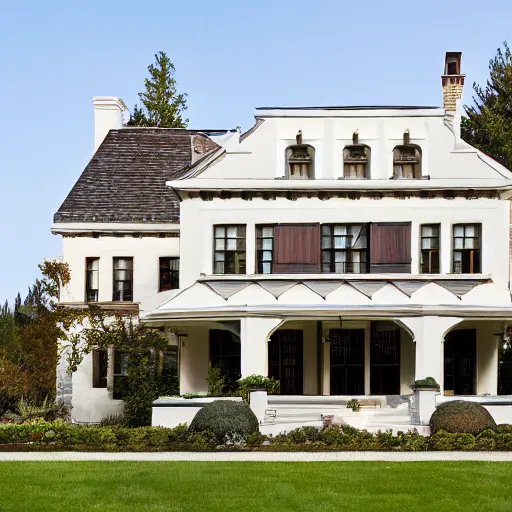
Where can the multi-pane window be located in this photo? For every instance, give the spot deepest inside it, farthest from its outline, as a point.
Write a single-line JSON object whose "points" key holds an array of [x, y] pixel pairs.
{"points": [[120, 374], [92, 279], [430, 249], [123, 280], [169, 273], [229, 249], [264, 248], [225, 354], [345, 248], [466, 249]]}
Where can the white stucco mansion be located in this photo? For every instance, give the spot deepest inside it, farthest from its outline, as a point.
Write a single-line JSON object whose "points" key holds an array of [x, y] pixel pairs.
{"points": [[342, 250]]}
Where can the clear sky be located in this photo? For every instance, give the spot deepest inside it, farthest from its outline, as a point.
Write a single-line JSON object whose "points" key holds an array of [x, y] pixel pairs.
{"points": [[230, 56]]}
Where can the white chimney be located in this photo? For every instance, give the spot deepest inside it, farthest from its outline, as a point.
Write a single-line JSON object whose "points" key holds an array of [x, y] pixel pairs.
{"points": [[108, 115]]}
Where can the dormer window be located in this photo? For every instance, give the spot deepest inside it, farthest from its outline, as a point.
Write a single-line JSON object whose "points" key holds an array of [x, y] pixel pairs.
{"points": [[356, 159], [407, 160], [300, 160]]}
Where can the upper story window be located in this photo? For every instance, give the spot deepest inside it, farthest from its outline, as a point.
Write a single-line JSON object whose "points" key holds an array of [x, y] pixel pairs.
{"points": [[390, 247], [169, 274], [466, 249], [345, 248], [264, 249], [300, 160], [407, 160], [123, 280], [92, 282], [356, 159], [430, 249], [229, 249]]}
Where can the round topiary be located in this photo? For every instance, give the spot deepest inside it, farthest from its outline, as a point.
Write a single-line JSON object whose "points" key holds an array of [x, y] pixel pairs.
{"points": [[461, 417], [227, 420]]}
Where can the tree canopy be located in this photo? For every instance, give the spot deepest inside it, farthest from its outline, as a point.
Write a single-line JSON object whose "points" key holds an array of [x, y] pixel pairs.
{"points": [[162, 106], [488, 125]]}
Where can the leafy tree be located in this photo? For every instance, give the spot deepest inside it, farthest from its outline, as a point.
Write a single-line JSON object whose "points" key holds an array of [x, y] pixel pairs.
{"points": [[488, 125], [162, 106]]}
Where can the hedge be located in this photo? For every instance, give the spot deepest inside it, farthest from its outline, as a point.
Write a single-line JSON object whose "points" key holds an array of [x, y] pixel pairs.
{"points": [[44, 436]]}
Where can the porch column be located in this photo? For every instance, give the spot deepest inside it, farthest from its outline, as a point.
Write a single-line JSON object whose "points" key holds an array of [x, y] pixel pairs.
{"points": [[487, 355], [428, 334], [254, 336]]}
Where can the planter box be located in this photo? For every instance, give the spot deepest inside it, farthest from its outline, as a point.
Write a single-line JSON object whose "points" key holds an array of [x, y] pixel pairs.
{"points": [[425, 404], [171, 412]]}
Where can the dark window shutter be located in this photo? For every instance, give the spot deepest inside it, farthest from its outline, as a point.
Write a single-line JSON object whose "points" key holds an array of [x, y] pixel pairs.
{"points": [[390, 247], [297, 249], [99, 369]]}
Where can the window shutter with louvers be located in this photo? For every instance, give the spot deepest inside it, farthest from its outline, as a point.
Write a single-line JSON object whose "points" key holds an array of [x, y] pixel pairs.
{"points": [[390, 248], [297, 249]]}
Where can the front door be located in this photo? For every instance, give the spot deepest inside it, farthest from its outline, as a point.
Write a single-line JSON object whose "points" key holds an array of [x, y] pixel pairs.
{"points": [[384, 359], [460, 362], [347, 361], [285, 360]]}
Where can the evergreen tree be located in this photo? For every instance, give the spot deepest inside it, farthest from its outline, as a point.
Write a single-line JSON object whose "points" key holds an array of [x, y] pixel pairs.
{"points": [[488, 125], [162, 106]]}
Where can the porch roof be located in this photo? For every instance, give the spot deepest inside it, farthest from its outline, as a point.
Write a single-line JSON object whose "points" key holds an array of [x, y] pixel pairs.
{"points": [[212, 297]]}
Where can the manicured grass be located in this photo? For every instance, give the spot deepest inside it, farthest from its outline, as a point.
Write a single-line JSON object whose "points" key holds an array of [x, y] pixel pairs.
{"points": [[251, 486]]}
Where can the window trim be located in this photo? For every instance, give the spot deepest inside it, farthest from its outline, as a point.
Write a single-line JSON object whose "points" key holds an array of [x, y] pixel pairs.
{"points": [[171, 271], [214, 250], [418, 166], [478, 227], [114, 281], [332, 250], [86, 287], [367, 163], [311, 165], [438, 224]]}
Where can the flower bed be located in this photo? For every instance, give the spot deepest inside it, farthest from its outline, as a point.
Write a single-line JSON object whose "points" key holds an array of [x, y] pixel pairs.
{"points": [[58, 436]]}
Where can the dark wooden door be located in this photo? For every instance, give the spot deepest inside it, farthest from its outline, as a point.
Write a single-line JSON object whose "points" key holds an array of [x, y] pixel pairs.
{"points": [[347, 361], [286, 360], [460, 362], [384, 360]]}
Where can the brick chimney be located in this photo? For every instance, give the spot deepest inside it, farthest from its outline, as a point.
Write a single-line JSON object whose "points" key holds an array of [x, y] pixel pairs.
{"points": [[452, 80], [108, 115]]}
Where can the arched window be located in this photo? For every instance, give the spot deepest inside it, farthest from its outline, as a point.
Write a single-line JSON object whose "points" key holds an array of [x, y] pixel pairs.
{"points": [[407, 160], [356, 159], [300, 160]]}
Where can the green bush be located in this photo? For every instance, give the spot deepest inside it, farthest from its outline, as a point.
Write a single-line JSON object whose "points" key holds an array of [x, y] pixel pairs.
{"points": [[227, 420], [257, 382], [429, 382], [215, 382], [505, 428], [461, 417]]}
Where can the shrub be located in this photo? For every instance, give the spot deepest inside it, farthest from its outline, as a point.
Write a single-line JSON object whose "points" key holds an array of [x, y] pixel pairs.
{"points": [[429, 382], [354, 404], [462, 417], [252, 382], [227, 420], [505, 428], [215, 382]]}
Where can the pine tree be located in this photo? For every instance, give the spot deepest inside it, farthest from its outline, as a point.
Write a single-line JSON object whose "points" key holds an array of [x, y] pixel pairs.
{"points": [[488, 125], [162, 106]]}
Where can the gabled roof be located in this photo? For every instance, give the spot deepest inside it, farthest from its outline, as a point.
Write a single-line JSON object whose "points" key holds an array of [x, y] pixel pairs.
{"points": [[125, 179]]}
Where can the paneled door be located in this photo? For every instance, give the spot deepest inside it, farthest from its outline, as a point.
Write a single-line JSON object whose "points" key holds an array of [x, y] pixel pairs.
{"points": [[286, 360], [460, 362], [347, 361]]}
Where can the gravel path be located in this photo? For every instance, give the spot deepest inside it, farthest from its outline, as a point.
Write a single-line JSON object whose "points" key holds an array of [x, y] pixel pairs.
{"points": [[260, 456]]}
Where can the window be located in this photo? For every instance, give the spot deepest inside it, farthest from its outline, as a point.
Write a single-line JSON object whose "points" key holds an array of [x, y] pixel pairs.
{"points": [[169, 274], [407, 160], [99, 368], [356, 159], [229, 253], [466, 249], [92, 279], [345, 248], [123, 279], [120, 374], [300, 160], [390, 247], [264, 248], [297, 249], [430, 249], [225, 354]]}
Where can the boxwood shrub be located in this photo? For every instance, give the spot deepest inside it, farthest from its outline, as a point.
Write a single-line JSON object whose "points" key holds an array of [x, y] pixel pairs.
{"points": [[461, 417]]}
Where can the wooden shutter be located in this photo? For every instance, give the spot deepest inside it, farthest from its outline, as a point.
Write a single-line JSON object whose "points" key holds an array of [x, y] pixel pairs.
{"points": [[390, 247], [297, 249], [99, 369]]}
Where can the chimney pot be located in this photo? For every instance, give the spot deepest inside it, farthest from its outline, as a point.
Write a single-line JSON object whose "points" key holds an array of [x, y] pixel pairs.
{"points": [[452, 80]]}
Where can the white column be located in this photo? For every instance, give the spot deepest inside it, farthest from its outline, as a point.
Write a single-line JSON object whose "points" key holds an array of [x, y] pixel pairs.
{"points": [[487, 359], [428, 334], [250, 249], [254, 336]]}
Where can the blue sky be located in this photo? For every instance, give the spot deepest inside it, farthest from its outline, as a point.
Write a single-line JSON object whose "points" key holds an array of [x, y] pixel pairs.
{"points": [[230, 56]]}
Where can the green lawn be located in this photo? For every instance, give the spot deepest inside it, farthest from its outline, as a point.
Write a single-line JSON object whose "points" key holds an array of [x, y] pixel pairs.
{"points": [[262, 486]]}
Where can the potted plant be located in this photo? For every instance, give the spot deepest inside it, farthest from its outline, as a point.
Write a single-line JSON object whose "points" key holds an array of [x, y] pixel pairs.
{"points": [[354, 404], [425, 391]]}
